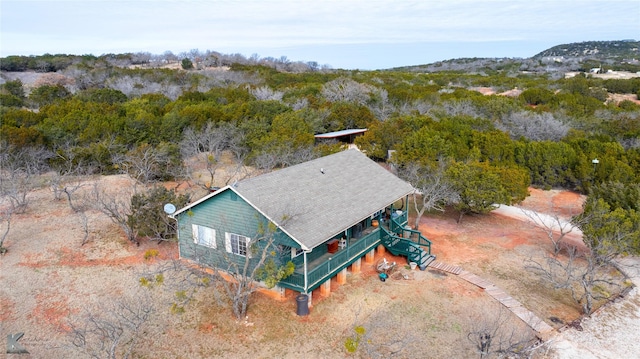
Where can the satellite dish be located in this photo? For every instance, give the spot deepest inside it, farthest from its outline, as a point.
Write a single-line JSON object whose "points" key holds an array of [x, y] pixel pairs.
{"points": [[169, 208]]}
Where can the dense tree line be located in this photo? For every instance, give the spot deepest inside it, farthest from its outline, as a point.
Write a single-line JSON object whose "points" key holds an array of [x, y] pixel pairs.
{"points": [[553, 128], [148, 122]]}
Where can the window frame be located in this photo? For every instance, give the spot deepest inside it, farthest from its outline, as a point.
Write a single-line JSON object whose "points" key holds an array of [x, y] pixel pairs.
{"points": [[237, 247], [204, 236]]}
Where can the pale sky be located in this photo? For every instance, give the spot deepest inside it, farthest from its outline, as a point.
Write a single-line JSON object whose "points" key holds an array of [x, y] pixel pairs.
{"points": [[350, 34]]}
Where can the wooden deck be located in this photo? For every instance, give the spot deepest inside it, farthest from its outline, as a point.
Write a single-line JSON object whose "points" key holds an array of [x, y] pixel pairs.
{"points": [[322, 260], [445, 267]]}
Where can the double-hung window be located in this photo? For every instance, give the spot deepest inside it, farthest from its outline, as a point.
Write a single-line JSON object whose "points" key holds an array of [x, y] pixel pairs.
{"points": [[237, 244], [204, 236]]}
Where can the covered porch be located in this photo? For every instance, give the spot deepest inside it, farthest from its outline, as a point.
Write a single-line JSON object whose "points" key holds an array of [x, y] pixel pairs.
{"points": [[323, 263]]}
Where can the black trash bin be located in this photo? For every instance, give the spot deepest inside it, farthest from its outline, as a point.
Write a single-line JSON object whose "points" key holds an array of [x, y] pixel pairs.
{"points": [[303, 304]]}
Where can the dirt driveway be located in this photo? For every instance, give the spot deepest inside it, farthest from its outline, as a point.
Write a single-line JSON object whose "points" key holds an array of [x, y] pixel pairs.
{"points": [[48, 282]]}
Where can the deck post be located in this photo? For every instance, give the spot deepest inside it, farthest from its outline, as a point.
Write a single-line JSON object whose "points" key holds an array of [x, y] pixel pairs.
{"points": [[310, 295], [342, 276], [325, 288], [370, 256], [381, 250], [306, 275], [355, 267]]}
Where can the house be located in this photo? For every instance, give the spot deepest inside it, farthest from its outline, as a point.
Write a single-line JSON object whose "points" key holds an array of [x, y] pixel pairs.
{"points": [[326, 215]]}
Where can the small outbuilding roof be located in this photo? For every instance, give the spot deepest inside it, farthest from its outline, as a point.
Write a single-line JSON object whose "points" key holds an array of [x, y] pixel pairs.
{"points": [[342, 133]]}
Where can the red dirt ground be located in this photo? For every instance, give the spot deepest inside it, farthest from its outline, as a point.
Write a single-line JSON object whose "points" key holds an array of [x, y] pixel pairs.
{"points": [[50, 277]]}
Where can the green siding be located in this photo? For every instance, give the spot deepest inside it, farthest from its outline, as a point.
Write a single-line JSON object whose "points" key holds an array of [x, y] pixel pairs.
{"points": [[224, 212]]}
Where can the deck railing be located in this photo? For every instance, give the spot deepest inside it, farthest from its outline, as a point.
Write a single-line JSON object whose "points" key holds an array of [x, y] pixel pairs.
{"points": [[399, 227], [330, 267]]}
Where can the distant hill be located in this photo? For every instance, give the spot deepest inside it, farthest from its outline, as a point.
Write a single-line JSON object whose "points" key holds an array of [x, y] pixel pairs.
{"points": [[602, 50], [621, 55]]}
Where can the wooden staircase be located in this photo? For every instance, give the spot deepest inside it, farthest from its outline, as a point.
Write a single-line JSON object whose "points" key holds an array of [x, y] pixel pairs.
{"points": [[400, 240]]}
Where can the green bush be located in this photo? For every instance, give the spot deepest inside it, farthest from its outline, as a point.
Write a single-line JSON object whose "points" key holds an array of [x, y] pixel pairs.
{"points": [[151, 253], [187, 64], [148, 216]]}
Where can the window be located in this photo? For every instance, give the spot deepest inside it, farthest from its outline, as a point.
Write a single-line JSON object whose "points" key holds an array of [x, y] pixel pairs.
{"points": [[237, 244], [204, 236]]}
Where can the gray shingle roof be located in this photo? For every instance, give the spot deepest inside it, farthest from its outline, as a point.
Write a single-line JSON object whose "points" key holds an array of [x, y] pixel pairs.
{"points": [[315, 200]]}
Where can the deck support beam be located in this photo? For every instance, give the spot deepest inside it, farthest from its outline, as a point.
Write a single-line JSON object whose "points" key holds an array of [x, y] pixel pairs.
{"points": [[381, 250], [370, 256], [325, 288], [342, 276], [355, 267]]}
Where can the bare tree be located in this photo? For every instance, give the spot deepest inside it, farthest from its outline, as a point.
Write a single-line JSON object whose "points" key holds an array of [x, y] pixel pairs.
{"points": [[5, 218], [534, 126], [344, 89], [246, 261], [141, 163], [265, 93], [455, 108], [79, 207], [117, 206], [374, 339], [69, 174], [494, 332], [283, 156], [380, 105], [19, 168], [112, 330], [257, 264], [432, 190], [553, 226], [594, 273], [206, 149], [585, 277], [64, 185]]}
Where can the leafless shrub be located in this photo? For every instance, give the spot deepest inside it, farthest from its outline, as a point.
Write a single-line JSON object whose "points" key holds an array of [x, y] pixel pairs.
{"points": [[534, 126], [5, 219], [553, 226], [116, 206], [111, 330], [222, 78], [380, 105], [177, 283], [69, 175], [432, 189], [584, 275], [459, 108], [347, 90], [423, 107], [299, 104], [265, 93], [283, 157], [19, 170], [207, 148], [495, 332], [379, 337]]}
